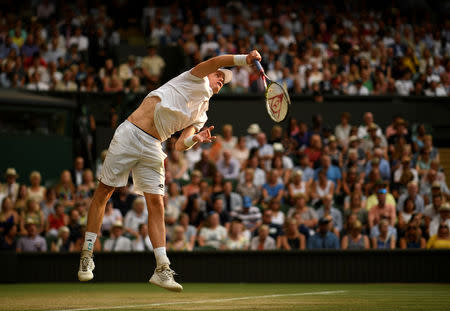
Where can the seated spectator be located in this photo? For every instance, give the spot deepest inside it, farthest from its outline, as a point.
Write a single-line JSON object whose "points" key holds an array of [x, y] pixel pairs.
{"points": [[259, 175], [8, 216], [253, 130], [8, 240], [292, 239], [275, 230], [236, 239], [297, 186], [178, 241], [441, 240], [142, 243], [382, 163], [228, 166], [342, 130], [354, 239], [383, 235], [272, 189], [194, 210], [430, 183], [442, 217], [190, 231], [227, 140], [324, 238], [33, 212], [123, 199], [63, 244], [406, 168], [382, 210], [248, 188], [194, 186], [277, 214], [111, 216], [56, 220], [356, 207], [372, 200], [432, 210], [249, 215], [308, 214], [216, 184], [370, 141], [224, 216], [327, 210], [413, 238], [265, 150], [423, 162], [405, 215], [205, 166], [413, 194], [321, 188], [49, 202], [333, 172], [65, 189], [136, 216], [117, 242], [32, 242], [263, 241], [277, 166], [232, 201], [193, 155], [240, 151], [278, 149], [314, 151], [177, 165], [175, 204], [305, 167], [363, 129], [212, 235], [36, 191]]}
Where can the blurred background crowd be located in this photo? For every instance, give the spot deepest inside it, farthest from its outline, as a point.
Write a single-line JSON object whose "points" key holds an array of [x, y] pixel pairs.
{"points": [[330, 47], [357, 186]]}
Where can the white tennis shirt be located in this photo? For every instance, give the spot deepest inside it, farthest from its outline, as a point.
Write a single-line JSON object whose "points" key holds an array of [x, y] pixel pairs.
{"points": [[184, 102]]}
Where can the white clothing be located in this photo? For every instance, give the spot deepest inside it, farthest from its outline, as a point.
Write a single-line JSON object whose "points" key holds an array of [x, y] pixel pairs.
{"points": [[323, 192], [269, 243], [121, 244], [362, 132], [398, 174], [142, 245], [214, 237], [109, 220], [133, 149], [259, 177], [184, 102], [133, 220], [434, 224], [192, 156], [278, 219], [403, 87], [82, 42]]}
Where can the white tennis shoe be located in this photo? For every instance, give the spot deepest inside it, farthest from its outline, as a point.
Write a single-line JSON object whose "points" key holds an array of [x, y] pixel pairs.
{"points": [[163, 277], [86, 267]]}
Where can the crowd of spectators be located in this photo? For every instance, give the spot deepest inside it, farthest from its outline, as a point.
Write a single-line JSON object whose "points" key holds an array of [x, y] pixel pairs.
{"points": [[309, 49], [357, 187]]}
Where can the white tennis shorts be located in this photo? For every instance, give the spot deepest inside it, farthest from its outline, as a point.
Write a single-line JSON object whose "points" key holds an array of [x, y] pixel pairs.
{"points": [[133, 149]]}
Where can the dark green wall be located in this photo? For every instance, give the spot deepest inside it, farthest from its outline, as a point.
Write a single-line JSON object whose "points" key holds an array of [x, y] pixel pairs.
{"points": [[277, 266]]}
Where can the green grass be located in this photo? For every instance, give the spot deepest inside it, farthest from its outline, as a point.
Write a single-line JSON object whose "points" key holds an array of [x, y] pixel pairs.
{"points": [[137, 297]]}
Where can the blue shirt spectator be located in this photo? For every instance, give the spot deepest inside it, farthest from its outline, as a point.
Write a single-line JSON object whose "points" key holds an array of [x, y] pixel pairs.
{"points": [[333, 173], [385, 170], [335, 214], [324, 239]]}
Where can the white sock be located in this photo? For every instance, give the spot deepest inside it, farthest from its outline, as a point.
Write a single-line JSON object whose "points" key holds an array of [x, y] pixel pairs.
{"points": [[161, 256], [89, 241]]}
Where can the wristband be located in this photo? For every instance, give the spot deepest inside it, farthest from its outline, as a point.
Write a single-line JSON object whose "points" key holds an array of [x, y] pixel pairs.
{"points": [[189, 142], [240, 60]]}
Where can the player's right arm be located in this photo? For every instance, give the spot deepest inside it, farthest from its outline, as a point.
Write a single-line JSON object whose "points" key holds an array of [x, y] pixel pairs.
{"points": [[213, 64]]}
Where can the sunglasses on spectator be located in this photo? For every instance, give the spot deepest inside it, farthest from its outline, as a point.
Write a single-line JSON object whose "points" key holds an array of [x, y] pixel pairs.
{"points": [[383, 191]]}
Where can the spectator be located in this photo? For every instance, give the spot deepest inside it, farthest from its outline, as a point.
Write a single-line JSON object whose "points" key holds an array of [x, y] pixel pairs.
{"points": [[36, 191], [441, 240], [327, 210], [305, 167], [117, 242], [8, 239], [321, 188], [179, 242], [74, 225], [355, 240], [136, 216], [263, 241], [194, 186], [373, 140], [205, 166], [292, 239], [111, 216], [11, 187], [56, 220], [240, 150], [212, 235], [275, 230], [363, 129], [33, 214], [32, 242], [228, 166], [227, 140], [432, 209], [251, 140], [442, 218], [142, 243], [333, 172], [297, 186], [314, 151], [8, 216], [259, 175], [189, 230], [224, 216], [385, 239], [123, 200], [248, 215], [413, 238], [382, 210], [413, 194], [152, 66], [324, 238], [265, 150], [63, 244], [308, 214], [342, 130], [248, 188], [406, 169], [236, 239], [232, 201], [21, 199], [65, 189], [273, 189]]}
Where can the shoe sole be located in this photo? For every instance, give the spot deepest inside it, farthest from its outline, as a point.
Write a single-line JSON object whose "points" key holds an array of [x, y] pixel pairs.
{"points": [[85, 277], [172, 289]]}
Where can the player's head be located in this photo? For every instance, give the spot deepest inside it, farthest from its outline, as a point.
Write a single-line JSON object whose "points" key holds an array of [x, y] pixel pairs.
{"points": [[218, 78]]}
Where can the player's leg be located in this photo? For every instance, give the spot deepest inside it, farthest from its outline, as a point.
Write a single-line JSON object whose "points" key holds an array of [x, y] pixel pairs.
{"points": [[163, 275], [94, 222], [123, 154]]}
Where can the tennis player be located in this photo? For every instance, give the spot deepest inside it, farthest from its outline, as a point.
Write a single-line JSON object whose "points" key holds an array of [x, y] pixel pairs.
{"points": [[180, 104]]}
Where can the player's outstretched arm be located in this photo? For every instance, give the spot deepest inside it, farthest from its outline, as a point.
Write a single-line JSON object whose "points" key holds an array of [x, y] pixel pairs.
{"points": [[211, 65], [188, 139]]}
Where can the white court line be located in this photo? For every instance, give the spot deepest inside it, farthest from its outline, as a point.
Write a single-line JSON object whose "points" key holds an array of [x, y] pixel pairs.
{"points": [[202, 301]]}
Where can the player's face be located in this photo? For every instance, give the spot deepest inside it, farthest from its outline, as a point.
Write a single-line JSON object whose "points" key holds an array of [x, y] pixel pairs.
{"points": [[216, 81]]}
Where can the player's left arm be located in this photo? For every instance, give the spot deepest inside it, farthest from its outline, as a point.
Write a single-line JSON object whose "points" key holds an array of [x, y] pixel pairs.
{"points": [[211, 65], [188, 138]]}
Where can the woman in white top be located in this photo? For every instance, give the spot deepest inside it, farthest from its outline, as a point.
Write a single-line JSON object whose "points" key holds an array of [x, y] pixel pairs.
{"points": [[277, 215], [240, 151], [112, 215], [297, 186], [321, 187], [36, 191]]}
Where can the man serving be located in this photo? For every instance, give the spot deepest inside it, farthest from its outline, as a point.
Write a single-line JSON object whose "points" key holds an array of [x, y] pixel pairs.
{"points": [[180, 104]]}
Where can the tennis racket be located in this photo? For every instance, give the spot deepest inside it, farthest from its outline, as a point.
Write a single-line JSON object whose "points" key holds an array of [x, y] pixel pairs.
{"points": [[277, 98]]}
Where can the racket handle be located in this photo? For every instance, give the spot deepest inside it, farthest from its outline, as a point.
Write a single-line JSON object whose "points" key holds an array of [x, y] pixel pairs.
{"points": [[258, 66]]}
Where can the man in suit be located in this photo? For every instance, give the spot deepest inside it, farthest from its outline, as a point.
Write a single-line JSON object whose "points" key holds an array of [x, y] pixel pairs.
{"points": [[77, 171]]}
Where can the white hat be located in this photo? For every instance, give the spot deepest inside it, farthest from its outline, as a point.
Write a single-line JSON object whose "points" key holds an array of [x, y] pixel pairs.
{"points": [[254, 129], [228, 75], [278, 147]]}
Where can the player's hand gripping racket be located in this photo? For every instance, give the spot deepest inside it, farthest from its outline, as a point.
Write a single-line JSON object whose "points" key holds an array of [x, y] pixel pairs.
{"points": [[277, 99]]}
